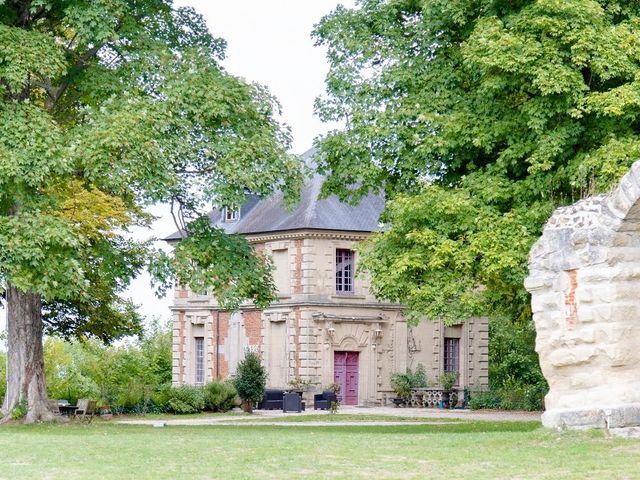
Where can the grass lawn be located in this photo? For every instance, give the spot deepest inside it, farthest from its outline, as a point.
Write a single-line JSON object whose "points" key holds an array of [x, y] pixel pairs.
{"points": [[293, 418], [476, 450], [346, 417]]}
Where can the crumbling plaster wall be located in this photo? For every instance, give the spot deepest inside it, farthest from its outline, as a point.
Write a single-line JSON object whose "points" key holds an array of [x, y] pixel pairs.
{"points": [[584, 278]]}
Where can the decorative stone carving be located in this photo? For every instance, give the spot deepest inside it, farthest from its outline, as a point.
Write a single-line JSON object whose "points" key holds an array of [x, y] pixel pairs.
{"points": [[584, 278]]}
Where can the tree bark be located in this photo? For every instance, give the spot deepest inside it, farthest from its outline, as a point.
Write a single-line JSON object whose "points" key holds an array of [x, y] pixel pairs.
{"points": [[25, 359]]}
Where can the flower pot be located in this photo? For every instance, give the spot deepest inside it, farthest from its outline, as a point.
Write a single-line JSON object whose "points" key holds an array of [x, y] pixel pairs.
{"points": [[445, 399], [247, 406]]}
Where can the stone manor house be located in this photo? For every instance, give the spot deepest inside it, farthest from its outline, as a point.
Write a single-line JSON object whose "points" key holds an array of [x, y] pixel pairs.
{"points": [[325, 325]]}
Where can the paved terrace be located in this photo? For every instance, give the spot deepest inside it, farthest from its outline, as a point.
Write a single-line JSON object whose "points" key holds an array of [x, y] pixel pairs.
{"points": [[422, 416]]}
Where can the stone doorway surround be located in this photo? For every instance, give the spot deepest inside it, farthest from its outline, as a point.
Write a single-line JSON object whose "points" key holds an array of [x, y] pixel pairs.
{"points": [[584, 278]]}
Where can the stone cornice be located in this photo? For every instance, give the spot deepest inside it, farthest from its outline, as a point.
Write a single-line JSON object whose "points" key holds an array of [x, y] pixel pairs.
{"points": [[332, 318], [319, 304], [301, 234]]}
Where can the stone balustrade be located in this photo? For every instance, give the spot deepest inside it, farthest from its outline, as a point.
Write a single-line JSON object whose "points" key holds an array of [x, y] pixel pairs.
{"points": [[425, 397]]}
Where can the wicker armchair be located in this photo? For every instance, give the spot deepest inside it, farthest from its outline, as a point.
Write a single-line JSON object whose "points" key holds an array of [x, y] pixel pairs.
{"points": [[323, 401]]}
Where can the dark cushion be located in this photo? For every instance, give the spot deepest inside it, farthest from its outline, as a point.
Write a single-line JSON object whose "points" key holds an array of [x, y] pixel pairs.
{"points": [[273, 394], [272, 399]]}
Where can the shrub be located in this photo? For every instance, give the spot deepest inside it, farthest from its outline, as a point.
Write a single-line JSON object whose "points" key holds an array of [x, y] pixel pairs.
{"points": [[250, 380], [534, 396], [129, 399], [219, 396], [335, 388], [401, 384], [448, 380], [480, 399], [512, 356], [186, 399], [132, 377], [160, 398], [510, 397], [19, 411], [515, 377], [419, 377]]}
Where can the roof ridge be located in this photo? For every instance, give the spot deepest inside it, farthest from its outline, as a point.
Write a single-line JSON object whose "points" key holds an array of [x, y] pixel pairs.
{"points": [[311, 212]]}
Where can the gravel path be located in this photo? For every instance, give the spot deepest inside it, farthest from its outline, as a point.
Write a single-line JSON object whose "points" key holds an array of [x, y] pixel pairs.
{"points": [[424, 415]]}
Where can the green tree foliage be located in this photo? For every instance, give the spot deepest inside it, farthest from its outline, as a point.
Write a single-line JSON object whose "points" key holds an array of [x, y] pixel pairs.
{"points": [[476, 118], [133, 376], [447, 255], [250, 379], [68, 371], [107, 107]]}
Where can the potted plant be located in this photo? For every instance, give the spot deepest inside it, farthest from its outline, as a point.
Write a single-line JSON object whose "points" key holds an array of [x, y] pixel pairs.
{"points": [[447, 381], [401, 384], [299, 384], [335, 405], [105, 412], [250, 381]]}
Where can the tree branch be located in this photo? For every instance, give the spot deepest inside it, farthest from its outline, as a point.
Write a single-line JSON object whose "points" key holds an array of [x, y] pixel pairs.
{"points": [[178, 218]]}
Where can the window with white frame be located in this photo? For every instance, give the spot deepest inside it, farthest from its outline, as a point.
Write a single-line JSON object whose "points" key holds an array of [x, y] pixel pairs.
{"points": [[231, 214], [344, 270], [451, 354], [199, 360]]}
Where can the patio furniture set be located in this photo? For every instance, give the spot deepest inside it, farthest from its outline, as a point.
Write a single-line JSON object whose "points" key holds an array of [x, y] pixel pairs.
{"points": [[84, 410], [291, 401]]}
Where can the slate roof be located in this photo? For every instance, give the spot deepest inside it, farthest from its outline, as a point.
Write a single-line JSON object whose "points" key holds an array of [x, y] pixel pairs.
{"points": [[263, 215]]}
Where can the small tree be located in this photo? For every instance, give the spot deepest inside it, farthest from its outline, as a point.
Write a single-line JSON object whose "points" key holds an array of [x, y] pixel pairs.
{"points": [[250, 381]]}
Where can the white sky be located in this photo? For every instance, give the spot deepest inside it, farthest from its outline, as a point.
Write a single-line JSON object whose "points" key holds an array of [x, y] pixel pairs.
{"points": [[269, 42]]}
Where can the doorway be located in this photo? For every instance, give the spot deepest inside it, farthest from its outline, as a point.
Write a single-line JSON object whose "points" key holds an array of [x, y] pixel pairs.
{"points": [[345, 374]]}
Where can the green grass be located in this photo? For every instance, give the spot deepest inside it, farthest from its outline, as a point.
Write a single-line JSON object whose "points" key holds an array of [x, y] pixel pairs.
{"points": [[477, 450], [347, 417], [171, 416]]}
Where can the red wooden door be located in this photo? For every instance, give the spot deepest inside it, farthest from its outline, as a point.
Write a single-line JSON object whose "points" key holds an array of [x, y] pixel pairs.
{"points": [[345, 374]]}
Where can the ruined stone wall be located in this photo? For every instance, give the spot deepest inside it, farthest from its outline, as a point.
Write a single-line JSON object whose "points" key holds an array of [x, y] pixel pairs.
{"points": [[584, 280]]}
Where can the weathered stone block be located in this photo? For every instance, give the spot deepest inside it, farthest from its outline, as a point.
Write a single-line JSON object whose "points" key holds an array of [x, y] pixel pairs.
{"points": [[589, 340], [541, 303], [574, 355]]}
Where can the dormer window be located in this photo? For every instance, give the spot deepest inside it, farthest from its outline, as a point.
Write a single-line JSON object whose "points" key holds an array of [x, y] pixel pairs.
{"points": [[231, 214]]}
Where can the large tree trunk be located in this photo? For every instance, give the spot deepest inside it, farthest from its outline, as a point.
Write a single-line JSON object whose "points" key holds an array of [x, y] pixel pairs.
{"points": [[25, 359]]}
